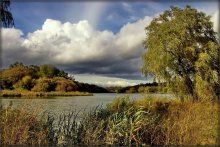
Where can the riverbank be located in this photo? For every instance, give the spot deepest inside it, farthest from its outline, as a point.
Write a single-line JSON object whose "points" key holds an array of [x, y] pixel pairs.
{"points": [[122, 122], [26, 93]]}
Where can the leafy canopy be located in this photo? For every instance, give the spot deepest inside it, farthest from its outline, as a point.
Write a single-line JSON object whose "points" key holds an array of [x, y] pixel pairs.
{"points": [[182, 50]]}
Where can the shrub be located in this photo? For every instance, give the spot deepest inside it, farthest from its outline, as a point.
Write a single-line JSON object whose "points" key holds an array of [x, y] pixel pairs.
{"points": [[65, 85], [15, 74], [44, 85]]}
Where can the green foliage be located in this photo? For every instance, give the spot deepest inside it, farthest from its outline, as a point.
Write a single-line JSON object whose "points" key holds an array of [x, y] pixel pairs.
{"points": [[65, 75], [34, 71], [90, 88], [16, 64], [48, 70], [181, 49]]}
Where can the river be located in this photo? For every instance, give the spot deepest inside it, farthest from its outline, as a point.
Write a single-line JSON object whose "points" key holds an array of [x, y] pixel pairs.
{"points": [[59, 105]]}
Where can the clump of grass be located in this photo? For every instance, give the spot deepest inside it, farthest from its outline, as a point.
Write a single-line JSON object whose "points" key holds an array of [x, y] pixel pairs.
{"points": [[19, 127]]}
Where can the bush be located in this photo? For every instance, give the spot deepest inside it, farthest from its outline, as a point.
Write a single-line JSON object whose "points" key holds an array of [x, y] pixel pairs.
{"points": [[65, 85], [25, 83], [44, 85], [13, 75]]}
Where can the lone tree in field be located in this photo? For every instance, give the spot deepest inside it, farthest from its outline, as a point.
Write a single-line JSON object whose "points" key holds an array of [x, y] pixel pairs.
{"points": [[182, 50], [6, 16]]}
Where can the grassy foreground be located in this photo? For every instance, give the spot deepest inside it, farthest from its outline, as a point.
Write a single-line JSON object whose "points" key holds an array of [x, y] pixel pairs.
{"points": [[27, 93], [122, 122]]}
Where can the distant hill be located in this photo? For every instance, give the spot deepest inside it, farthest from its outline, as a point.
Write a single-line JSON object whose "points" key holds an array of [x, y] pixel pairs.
{"points": [[148, 87], [135, 88], [85, 87]]}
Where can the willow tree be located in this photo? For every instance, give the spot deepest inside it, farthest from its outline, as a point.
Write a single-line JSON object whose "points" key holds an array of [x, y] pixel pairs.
{"points": [[182, 50], [6, 16]]}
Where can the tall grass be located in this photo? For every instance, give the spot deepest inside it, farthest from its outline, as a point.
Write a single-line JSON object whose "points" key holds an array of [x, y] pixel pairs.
{"points": [[122, 122], [18, 127]]}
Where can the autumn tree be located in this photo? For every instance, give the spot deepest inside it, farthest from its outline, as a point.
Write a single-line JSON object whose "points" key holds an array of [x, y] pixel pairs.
{"points": [[65, 85], [182, 50], [11, 76]]}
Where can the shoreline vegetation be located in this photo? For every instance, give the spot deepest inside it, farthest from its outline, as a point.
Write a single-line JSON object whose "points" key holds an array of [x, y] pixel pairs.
{"points": [[26, 93], [122, 122]]}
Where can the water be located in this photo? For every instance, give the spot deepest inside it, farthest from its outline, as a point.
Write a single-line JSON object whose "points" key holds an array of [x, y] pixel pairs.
{"points": [[57, 105]]}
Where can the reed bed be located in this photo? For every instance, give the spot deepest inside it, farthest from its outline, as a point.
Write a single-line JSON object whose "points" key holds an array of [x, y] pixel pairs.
{"points": [[123, 122]]}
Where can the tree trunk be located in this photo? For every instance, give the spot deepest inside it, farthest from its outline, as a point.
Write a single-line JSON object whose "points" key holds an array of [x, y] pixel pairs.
{"points": [[190, 88]]}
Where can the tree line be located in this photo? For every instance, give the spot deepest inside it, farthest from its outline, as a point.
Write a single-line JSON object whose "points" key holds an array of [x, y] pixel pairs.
{"points": [[43, 78]]}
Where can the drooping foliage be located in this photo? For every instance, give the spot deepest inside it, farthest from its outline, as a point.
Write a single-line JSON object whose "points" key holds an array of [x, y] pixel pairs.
{"points": [[6, 16], [183, 51]]}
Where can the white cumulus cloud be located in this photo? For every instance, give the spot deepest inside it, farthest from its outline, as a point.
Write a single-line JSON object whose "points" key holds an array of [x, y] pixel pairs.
{"points": [[215, 20], [77, 44]]}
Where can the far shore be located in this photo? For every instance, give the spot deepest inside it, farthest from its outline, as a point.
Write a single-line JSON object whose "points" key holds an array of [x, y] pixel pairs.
{"points": [[26, 93]]}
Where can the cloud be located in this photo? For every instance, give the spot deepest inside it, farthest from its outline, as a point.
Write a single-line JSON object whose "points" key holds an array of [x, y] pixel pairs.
{"points": [[215, 20], [106, 81], [79, 47], [11, 45], [121, 83]]}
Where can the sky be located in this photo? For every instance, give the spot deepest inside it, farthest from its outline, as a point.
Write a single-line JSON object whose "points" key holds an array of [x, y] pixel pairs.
{"points": [[99, 42]]}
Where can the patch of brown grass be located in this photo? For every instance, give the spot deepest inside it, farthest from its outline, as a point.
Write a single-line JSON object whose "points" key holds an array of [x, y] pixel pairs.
{"points": [[21, 127], [27, 93]]}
